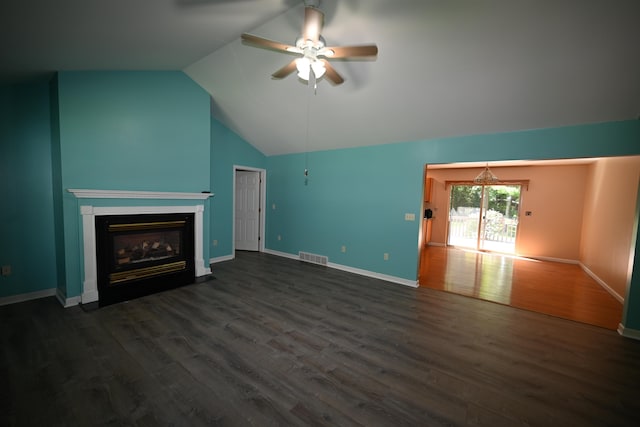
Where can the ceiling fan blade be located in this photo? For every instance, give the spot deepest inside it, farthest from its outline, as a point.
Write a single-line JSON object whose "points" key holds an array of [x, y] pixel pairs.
{"points": [[313, 21], [285, 71], [331, 73], [349, 51], [268, 44]]}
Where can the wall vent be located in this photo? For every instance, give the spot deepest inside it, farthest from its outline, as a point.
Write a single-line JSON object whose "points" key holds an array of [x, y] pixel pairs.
{"points": [[313, 258]]}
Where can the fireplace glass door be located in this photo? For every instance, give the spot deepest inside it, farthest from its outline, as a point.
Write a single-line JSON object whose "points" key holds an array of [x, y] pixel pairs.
{"points": [[141, 254]]}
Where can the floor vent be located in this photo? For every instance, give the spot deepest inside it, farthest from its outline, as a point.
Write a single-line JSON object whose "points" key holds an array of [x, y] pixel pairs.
{"points": [[313, 258]]}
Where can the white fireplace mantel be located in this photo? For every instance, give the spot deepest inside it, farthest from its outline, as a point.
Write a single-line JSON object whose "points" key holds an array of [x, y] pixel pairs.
{"points": [[126, 194], [89, 213]]}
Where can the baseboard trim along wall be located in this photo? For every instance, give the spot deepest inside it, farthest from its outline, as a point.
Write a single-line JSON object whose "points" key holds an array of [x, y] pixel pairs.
{"points": [[67, 302], [361, 272], [221, 258], [374, 275], [628, 333], [602, 283], [13, 299], [552, 259]]}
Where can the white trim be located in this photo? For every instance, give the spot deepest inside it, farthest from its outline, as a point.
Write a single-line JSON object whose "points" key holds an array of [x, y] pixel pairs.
{"points": [[374, 275], [67, 302], [602, 283], [221, 258], [628, 333], [263, 204], [122, 194], [13, 299], [89, 213], [361, 272], [282, 254], [546, 258], [73, 301]]}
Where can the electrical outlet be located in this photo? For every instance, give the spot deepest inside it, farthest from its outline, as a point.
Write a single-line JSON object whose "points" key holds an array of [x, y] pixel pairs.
{"points": [[279, 237], [343, 249], [6, 270], [215, 243], [273, 206], [386, 256]]}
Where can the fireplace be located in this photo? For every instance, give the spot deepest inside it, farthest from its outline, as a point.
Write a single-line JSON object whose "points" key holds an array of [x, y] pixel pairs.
{"points": [[141, 254], [115, 202]]}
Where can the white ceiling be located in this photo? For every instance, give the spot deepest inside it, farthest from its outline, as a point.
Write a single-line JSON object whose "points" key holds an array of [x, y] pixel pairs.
{"points": [[445, 68]]}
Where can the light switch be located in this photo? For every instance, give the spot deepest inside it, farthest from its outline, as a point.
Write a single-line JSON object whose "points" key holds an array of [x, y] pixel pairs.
{"points": [[409, 217]]}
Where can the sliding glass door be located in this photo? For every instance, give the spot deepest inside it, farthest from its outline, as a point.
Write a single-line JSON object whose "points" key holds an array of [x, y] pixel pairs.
{"points": [[484, 217]]}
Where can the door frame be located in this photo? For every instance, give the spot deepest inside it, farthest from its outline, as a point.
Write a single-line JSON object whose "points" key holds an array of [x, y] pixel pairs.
{"points": [[262, 204]]}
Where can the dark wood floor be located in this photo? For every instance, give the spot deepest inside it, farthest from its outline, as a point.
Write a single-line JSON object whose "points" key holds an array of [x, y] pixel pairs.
{"points": [[555, 288], [273, 341]]}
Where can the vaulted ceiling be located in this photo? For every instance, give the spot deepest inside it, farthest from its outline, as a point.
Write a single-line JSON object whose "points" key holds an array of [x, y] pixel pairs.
{"points": [[445, 67]]}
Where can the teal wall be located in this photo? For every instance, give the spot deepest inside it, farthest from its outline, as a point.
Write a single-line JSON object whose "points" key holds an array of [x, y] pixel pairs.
{"points": [[358, 197], [227, 150], [56, 167], [355, 198], [26, 213], [153, 131], [133, 131], [128, 131]]}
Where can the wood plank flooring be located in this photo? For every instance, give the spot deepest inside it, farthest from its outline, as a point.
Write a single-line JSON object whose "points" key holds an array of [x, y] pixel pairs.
{"points": [[273, 341], [553, 288]]}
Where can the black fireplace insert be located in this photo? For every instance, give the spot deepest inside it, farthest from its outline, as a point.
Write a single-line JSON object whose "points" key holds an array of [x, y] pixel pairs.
{"points": [[142, 254]]}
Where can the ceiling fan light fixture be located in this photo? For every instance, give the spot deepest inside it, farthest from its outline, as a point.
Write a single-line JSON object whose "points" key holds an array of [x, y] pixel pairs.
{"points": [[318, 69], [304, 66]]}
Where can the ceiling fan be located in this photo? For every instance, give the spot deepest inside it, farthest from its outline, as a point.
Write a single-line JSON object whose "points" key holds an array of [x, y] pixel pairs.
{"points": [[314, 52]]}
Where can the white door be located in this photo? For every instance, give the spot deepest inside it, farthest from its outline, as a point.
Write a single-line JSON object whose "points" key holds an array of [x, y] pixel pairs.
{"points": [[247, 220]]}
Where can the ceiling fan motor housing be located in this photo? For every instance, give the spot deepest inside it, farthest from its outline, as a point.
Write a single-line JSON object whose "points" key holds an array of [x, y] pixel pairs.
{"points": [[310, 49]]}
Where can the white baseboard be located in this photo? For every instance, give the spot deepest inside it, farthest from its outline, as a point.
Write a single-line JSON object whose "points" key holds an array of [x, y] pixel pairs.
{"points": [[13, 299], [552, 259], [374, 275], [628, 333], [359, 271], [67, 302], [222, 258], [602, 283], [282, 254]]}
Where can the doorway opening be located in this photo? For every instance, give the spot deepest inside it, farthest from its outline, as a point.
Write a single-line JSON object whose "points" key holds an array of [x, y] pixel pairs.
{"points": [[249, 186], [484, 217]]}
